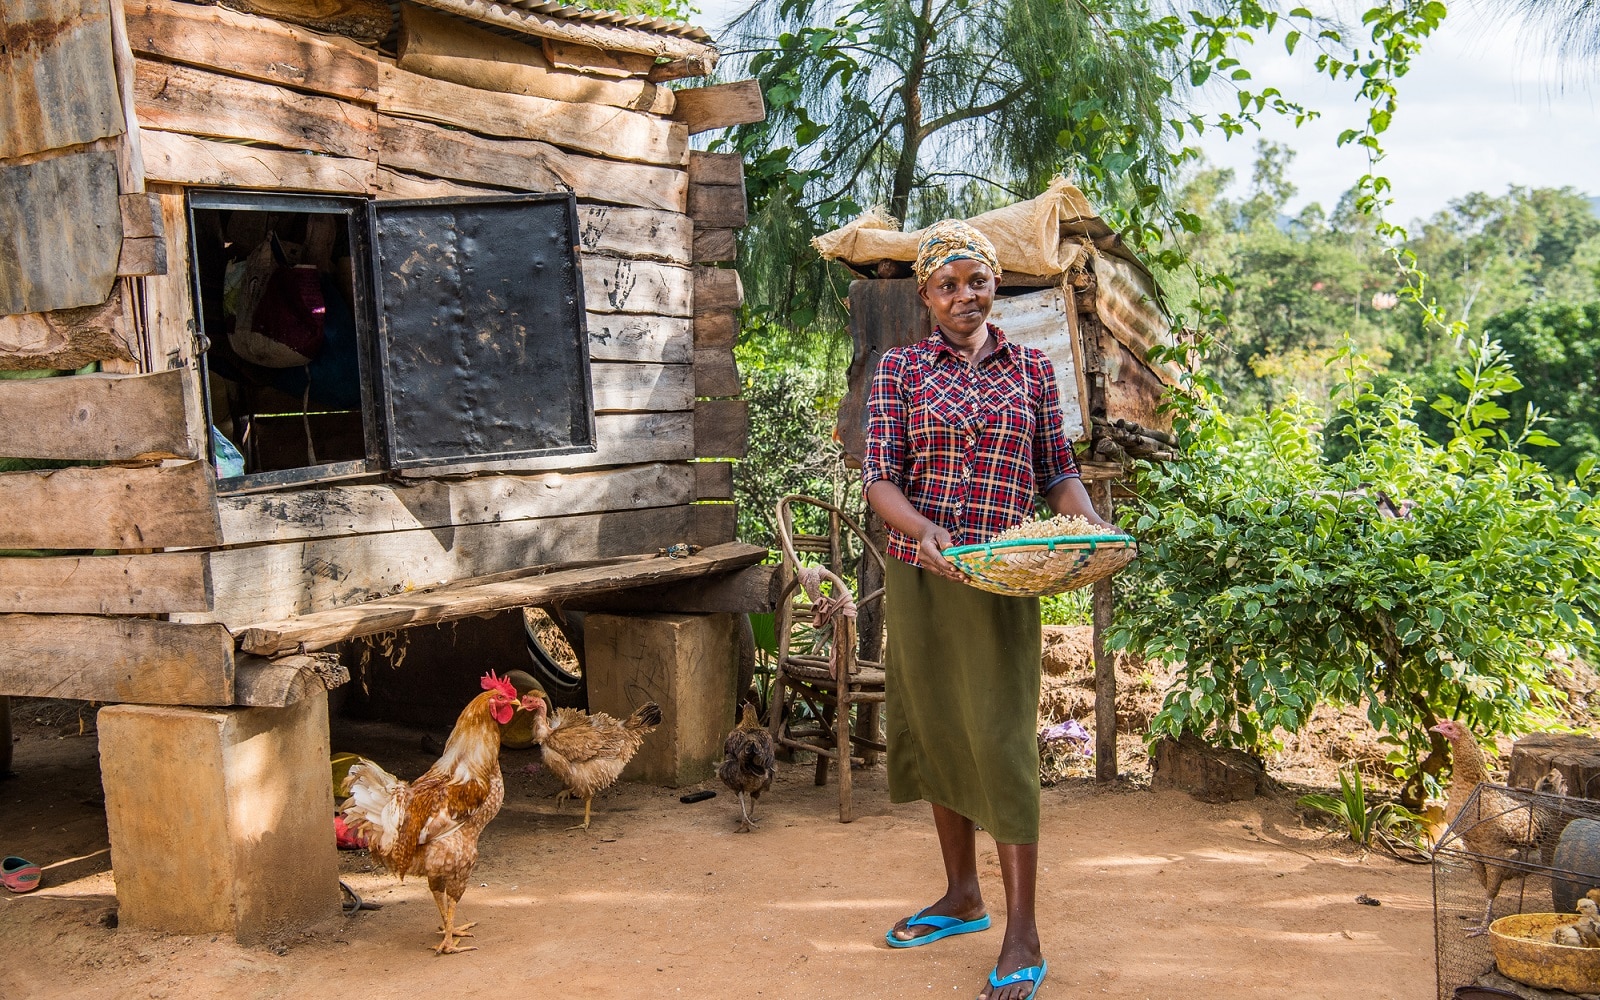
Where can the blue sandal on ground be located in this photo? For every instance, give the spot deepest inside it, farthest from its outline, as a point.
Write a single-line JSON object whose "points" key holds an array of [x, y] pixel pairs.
{"points": [[1032, 974], [943, 927]]}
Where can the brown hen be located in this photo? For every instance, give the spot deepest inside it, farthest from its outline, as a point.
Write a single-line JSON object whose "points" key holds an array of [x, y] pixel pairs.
{"points": [[747, 764], [1495, 825], [587, 751], [430, 826]]}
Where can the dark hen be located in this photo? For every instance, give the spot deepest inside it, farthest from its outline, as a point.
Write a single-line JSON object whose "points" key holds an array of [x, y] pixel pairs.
{"points": [[747, 764]]}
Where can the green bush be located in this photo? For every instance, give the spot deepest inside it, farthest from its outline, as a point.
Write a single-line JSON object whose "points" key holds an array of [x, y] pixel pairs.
{"points": [[1071, 608], [1428, 579], [791, 443]]}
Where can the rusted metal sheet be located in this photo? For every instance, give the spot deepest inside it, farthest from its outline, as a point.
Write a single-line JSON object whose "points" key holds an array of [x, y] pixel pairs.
{"points": [[60, 232], [58, 84], [1127, 303], [1039, 319], [482, 336], [1132, 390]]}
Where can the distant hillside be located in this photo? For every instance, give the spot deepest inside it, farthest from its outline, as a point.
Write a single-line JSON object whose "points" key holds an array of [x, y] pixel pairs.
{"points": [[1594, 205]]}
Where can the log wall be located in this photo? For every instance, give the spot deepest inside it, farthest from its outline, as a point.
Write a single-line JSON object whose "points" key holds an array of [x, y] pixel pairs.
{"points": [[197, 95]]}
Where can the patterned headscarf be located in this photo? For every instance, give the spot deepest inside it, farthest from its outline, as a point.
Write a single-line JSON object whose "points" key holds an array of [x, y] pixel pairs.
{"points": [[951, 240]]}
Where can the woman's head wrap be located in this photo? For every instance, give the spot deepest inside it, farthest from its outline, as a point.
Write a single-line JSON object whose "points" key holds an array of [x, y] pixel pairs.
{"points": [[951, 240]]}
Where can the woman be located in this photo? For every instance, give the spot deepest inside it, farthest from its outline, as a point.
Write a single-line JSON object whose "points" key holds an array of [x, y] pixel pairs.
{"points": [[964, 429]]}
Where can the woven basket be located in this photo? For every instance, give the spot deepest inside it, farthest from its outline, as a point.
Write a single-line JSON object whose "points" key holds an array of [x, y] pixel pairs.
{"points": [[1039, 567]]}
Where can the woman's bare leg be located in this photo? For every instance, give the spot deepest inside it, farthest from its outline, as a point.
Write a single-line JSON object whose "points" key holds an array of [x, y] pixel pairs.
{"points": [[958, 847], [1019, 870]]}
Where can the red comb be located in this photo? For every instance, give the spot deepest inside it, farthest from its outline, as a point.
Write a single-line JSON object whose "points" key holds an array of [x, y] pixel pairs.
{"points": [[493, 683]]}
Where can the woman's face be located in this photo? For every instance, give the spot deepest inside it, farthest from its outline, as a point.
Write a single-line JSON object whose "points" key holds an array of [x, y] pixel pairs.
{"points": [[959, 295]]}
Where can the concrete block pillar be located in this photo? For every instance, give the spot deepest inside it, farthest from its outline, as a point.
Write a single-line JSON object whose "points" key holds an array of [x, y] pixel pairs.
{"points": [[221, 820], [688, 664]]}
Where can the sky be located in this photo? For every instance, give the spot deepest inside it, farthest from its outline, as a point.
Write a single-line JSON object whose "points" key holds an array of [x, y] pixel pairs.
{"points": [[1482, 109]]}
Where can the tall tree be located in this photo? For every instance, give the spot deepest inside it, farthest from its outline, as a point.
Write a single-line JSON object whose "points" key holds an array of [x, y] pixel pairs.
{"points": [[933, 107]]}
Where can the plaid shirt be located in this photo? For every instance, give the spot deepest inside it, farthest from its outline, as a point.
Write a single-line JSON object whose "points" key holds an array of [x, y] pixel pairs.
{"points": [[969, 446]]}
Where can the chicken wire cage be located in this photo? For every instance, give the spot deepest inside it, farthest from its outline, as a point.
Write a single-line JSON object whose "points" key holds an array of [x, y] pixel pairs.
{"points": [[1509, 850]]}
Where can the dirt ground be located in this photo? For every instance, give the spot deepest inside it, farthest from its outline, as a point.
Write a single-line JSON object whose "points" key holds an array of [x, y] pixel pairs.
{"points": [[1142, 895]]}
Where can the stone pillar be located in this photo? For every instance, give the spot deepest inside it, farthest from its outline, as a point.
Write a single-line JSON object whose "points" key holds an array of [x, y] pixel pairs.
{"points": [[688, 665], [220, 819]]}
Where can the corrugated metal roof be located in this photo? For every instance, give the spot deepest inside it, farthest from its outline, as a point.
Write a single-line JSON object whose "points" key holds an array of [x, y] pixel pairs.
{"points": [[567, 12], [640, 21]]}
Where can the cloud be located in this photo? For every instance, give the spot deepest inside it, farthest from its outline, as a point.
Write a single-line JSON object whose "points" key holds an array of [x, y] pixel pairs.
{"points": [[1481, 109]]}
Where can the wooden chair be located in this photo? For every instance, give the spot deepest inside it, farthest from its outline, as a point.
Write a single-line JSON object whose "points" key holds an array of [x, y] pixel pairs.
{"points": [[823, 671]]}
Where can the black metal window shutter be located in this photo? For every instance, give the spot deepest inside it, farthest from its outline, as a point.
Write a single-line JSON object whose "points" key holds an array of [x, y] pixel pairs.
{"points": [[483, 348]]}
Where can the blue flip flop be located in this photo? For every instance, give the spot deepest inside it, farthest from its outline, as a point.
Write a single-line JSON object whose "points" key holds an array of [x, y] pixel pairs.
{"points": [[944, 927], [1032, 974]]}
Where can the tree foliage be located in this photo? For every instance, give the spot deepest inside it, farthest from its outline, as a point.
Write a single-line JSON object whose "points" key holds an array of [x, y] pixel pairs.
{"points": [[948, 107], [1557, 347], [1523, 266], [792, 405], [1427, 578]]}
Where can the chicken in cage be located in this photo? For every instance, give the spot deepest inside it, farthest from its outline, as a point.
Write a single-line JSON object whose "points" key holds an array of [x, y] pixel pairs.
{"points": [[1532, 854]]}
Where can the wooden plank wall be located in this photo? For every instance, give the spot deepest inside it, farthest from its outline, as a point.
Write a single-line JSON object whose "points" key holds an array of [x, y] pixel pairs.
{"points": [[79, 238], [200, 95], [722, 431]]}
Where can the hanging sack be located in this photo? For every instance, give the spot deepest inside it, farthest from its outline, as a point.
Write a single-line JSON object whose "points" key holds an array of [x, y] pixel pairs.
{"points": [[279, 323]]}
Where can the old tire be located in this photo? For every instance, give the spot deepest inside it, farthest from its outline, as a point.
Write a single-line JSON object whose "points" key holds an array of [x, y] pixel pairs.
{"points": [[566, 689], [1578, 851]]}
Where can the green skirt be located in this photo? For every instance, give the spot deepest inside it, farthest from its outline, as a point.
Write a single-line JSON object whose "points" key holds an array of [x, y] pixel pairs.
{"points": [[963, 700]]}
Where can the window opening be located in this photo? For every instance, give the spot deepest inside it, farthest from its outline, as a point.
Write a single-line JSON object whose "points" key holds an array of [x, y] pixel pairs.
{"points": [[283, 303]]}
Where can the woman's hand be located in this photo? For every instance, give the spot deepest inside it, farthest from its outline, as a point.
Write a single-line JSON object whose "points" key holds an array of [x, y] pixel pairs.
{"points": [[897, 512], [930, 552]]}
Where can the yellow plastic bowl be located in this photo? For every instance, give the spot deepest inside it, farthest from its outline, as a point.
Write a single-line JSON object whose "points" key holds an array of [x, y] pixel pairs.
{"points": [[1523, 951]]}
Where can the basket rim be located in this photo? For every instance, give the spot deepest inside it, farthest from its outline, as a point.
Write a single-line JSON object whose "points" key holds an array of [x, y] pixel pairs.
{"points": [[1050, 543]]}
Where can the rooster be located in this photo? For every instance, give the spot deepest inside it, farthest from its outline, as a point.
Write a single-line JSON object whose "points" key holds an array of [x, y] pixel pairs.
{"points": [[430, 826], [1496, 825], [587, 751], [747, 763]]}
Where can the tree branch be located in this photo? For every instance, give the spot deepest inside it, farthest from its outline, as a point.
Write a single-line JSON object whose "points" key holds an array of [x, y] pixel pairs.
{"points": [[1015, 193], [965, 114]]}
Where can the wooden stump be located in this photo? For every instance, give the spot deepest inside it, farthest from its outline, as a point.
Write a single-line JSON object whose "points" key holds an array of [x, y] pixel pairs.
{"points": [[684, 663], [1576, 757], [1208, 773], [220, 819]]}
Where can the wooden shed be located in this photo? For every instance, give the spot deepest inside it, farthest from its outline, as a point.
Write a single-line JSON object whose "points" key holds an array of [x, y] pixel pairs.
{"points": [[319, 321], [1069, 287]]}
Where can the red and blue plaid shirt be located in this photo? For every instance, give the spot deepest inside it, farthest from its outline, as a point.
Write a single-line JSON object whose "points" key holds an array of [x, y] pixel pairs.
{"points": [[970, 446]]}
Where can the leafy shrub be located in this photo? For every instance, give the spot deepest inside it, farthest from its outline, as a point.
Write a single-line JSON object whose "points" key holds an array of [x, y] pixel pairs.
{"points": [[791, 443], [1071, 608], [1428, 579]]}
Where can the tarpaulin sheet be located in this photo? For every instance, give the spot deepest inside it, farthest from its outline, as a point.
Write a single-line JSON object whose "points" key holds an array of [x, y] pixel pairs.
{"points": [[1027, 236]]}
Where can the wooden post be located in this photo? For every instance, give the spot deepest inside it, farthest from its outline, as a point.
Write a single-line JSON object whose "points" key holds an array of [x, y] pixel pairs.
{"points": [[253, 854], [684, 663], [869, 629], [1105, 670]]}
